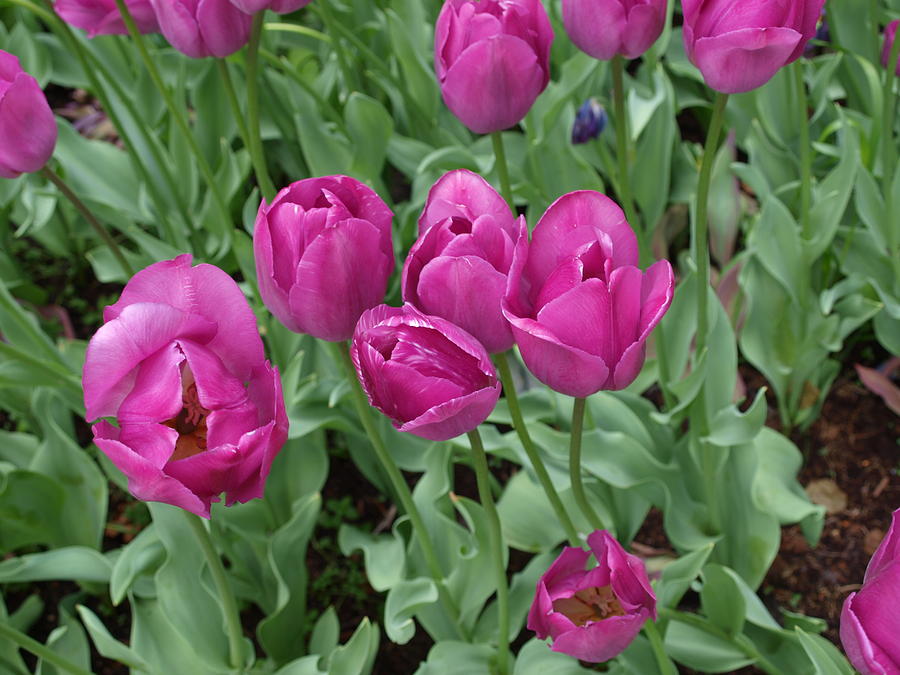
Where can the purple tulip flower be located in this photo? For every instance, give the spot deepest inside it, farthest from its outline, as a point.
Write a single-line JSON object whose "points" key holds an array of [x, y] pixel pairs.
{"points": [[739, 46], [889, 33], [102, 17], [592, 614], [870, 624], [201, 28], [277, 6], [430, 377], [27, 126], [580, 308], [323, 255], [457, 268], [180, 366], [604, 28], [492, 59]]}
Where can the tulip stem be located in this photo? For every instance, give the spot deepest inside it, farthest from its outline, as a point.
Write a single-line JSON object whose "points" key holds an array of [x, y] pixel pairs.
{"points": [[622, 149], [666, 667], [701, 224], [82, 208], [502, 169], [515, 411], [482, 476], [226, 595], [177, 114], [575, 466], [41, 651], [888, 156], [228, 83], [805, 150], [254, 134], [341, 354]]}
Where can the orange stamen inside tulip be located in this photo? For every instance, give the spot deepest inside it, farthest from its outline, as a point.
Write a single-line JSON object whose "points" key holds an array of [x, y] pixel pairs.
{"points": [[190, 423], [589, 605]]}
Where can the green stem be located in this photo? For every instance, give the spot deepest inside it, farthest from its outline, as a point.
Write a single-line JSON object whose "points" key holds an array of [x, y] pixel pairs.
{"points": [[82, 208], [701, 237], [666, 667], [502, 169], [512, 400], [226, 595], [176, 112], [255, 136], [805, 150], [482, 476], [622, 150], [888, 149], [575, 466], [341, 355], [228, 83], [41, 651]]}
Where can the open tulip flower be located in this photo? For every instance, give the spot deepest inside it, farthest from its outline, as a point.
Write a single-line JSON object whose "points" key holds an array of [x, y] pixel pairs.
{"points": [[604, 28], [430, 377], [740, 45], [592, 614], [179, 365], [102, 17], [201, 28], [870, 622], [457, 269], [27, 126], [580, 308], [492, 59]]}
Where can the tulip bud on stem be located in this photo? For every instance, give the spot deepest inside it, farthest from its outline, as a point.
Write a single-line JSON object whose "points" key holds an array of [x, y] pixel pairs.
{"points": [[82, 208], [226, 595], [482, 476], [253, 132], [512, 400], [502, 169], [340, 353], [575, 466]]}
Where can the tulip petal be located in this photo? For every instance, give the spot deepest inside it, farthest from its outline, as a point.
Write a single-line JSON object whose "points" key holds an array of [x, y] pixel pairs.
{"points": [[596, 27], [156, 395], [626, 309], [875, 605], [600, 641], [179, 26], [274, 294], [888, 551], [859, 649], [456, 416], [217, 388], [645, 25], [223, 27], [744, 59], [463, 193], [583, 318], [657, 290], [27, 127], [206, 474]]}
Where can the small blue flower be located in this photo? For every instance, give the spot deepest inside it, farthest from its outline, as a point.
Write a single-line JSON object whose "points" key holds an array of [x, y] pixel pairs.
{"points": [[590, 120]]}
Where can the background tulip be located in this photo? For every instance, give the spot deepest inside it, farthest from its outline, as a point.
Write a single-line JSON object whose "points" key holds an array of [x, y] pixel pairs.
{"points": [[430, 377], [580, 308], [323, 254], [102, 17], [201, 28], [179, 364], [604, 28], [457, 268], [870, 623], [492, 59], [739, 46], [27, 126], [592, 614], [889, 34], [278, 6]]}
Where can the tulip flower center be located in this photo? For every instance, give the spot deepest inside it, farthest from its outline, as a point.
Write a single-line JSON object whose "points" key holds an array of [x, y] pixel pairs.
{"points": [[589, 605], [460, 225], [190, 423]]}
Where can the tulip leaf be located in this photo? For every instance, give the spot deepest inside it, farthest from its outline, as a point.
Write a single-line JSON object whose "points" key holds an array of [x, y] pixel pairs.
{"points": [[536, 658], [76, 563], [457, 658], [403, 601], [722, 601], [678, 576], [732, 427], [703, 650], [326, 632], [107, 646], [358, 655], [142, 555], [384, 555], [826, 659]]}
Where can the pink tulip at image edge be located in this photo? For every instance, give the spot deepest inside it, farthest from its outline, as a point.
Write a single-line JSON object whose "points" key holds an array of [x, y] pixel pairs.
{"points": [[27, 126]]}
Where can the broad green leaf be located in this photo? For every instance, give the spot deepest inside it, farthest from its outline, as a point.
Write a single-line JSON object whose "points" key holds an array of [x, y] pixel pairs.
{"points": [[703, 651], [722, 600], [403, 601]]}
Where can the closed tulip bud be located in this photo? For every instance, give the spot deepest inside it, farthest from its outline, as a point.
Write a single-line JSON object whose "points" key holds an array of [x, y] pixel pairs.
{"points": [[180, 366], [430, 377], [604, 28], [580, 308], [739, 46], [889, 33], [201, 28], [590, 121], [592, 614], [277, 6], [102, 17], [457, 268], [323, 255], [492, 59], [27, 126], [870, 622]]}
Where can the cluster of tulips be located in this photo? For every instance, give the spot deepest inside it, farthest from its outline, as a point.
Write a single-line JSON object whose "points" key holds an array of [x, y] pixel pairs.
{"points": [[179, 365]]}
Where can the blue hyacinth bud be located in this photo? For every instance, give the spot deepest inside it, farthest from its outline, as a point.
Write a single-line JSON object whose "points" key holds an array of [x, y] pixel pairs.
{"points": [[590, 120]]}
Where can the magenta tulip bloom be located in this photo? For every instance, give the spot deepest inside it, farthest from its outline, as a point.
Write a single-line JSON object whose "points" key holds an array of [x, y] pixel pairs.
{"points": [[201, 28], [101, 17], [870, 623], [179, 364], [580, 308], [739, 46], [27, 126], [492, 59], [277, 6], [592, 614], [430, 377], [457, 269], [604, 28], [889, 34], [323, 255]]}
